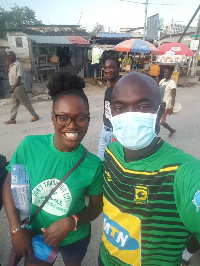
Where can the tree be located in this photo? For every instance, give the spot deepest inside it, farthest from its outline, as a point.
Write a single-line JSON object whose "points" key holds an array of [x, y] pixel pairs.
{"points": [[98, 28], [16, 17]]}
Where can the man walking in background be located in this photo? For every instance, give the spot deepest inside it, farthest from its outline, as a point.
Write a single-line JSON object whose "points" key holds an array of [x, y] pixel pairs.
{"points": [[16, 78], [111, 70]]}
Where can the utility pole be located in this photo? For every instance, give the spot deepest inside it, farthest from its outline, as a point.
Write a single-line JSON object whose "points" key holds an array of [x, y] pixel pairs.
{"points": [[194, 61], [198, 8], [145, 20]]}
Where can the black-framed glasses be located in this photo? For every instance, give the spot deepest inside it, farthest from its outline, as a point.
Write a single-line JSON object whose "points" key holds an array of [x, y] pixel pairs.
{"points": [[64, 120]]}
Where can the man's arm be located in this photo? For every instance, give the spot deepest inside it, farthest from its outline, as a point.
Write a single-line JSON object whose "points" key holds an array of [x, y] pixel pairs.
{"points": [[15, 85]]}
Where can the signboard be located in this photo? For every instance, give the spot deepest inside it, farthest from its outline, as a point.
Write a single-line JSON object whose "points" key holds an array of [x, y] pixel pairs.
{"points": [[152, 27], [194, 45], [194, 36]]}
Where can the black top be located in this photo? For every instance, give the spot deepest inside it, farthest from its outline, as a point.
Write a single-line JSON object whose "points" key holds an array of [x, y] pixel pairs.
{"points": [[107, 110]]}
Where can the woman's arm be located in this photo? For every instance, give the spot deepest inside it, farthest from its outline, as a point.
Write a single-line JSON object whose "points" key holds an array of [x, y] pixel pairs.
{"points": [[59, 230], [173, 96], [21, 239]]}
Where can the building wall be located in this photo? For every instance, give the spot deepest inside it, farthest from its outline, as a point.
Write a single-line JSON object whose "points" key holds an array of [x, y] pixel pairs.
{"points": [[18, 43]]}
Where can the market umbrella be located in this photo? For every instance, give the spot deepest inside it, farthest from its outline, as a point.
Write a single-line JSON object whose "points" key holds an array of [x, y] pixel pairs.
{"points": [[136, 46], [178, 48]]}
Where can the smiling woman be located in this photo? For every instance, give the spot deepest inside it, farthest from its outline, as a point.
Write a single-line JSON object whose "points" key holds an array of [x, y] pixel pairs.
{"points": [[64, 221]]}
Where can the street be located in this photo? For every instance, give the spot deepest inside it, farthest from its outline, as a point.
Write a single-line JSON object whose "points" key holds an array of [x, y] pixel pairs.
{"points": [[187, 138]]}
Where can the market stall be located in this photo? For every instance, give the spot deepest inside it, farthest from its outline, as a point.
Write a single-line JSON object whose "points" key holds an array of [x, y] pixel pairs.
{"points": [[173, 54], [136, 55]]}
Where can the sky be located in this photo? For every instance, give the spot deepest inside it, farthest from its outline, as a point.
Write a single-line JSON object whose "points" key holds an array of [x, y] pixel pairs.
{"points": [[113, 14]]}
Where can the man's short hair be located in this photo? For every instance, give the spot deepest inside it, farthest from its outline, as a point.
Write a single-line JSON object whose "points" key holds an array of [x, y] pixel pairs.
{"points": [[114, 59]]}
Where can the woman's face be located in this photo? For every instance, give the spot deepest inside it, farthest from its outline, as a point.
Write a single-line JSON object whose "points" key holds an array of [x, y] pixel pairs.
{"points": [[67, 138]]}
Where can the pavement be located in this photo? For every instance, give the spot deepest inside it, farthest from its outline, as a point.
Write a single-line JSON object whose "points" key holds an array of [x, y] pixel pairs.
{"points": [[187, 138]]}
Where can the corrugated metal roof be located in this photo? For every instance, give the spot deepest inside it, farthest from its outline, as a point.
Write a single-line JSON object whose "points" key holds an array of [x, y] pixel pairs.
{"points": [[58, 40], [115, 35], [49, 39], [77, 40]]}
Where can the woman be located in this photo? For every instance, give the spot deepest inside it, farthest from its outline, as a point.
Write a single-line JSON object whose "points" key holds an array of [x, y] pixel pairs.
{"points": [[47, 159], [168, 95]]}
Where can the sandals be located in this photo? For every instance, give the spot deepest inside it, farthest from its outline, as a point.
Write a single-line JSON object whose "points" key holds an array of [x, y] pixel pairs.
{"points": [[35, 118], [9, 122]]}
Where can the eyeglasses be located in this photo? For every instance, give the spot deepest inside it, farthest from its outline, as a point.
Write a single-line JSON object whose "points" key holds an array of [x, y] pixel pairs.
{"points": [[64, 120]]}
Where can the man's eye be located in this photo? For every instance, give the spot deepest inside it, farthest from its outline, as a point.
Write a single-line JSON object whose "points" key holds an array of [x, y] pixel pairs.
{"points": [[120, 109], [144, 108]]}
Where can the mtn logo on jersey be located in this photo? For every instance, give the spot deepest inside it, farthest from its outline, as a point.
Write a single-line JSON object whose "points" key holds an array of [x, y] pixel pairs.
{"points": [[118, 236], [141, 194], [122, 234], [196, 200]]}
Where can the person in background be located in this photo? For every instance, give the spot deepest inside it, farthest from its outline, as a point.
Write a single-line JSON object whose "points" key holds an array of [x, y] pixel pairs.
{"points": [[151, 189], [64, 221], [111, 70], [16, 78], [168, 95]]}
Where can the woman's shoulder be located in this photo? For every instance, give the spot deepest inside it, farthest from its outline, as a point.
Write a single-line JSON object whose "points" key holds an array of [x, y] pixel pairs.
{"points": [[172, 84], [33, 139], [95, 160]]}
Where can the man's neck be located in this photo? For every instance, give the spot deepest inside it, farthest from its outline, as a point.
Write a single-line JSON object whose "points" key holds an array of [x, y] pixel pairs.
{"points": [[134, 155], [113, 82]]}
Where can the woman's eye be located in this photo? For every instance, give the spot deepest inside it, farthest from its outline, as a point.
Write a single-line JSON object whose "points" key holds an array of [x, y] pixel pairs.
{"points": [[63, 118]]}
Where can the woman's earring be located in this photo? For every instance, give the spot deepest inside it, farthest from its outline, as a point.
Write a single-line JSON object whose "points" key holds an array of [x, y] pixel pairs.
{"points": [[51, 123]]}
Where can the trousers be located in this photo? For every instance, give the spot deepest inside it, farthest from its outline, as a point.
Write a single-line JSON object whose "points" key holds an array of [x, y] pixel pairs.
{"points": [[105, 138], [19, 96]]}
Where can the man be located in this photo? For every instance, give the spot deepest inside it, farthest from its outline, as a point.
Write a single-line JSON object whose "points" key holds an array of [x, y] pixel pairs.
{"points": [[16, 78], [111, 69], [151, 189]]}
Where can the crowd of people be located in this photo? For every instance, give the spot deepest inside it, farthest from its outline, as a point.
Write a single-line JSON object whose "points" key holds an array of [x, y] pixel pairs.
{"points": [[147, 189]]}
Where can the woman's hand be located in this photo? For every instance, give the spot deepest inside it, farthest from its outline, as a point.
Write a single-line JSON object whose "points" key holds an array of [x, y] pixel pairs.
{"points": [[170, 111], [58, 231], [22, 242]]}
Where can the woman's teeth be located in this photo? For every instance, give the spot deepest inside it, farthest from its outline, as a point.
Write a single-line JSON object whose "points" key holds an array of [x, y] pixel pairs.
{"points": [[71, 135]]}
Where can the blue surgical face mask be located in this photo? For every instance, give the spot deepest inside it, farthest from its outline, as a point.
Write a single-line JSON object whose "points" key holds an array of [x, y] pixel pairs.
{"points": [[134, 130]]}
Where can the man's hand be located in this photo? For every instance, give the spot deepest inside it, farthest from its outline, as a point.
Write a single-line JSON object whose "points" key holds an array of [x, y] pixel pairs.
{"points": [[12, 89], [22, 242], [58, 231]]}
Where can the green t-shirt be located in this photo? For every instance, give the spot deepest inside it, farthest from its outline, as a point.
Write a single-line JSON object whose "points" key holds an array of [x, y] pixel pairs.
{"points": [[46, 166], [150, 205]]}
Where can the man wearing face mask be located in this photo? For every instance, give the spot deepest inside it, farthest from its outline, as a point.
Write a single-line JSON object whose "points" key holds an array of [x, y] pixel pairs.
{"points": [[151, 189]]}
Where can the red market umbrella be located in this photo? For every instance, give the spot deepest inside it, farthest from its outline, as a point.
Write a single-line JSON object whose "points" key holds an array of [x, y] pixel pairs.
{"points": [[136, 46], [178, 48]]}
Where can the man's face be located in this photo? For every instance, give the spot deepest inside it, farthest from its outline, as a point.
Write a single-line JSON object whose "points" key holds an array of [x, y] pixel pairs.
{"points": [[111, 70], [11, 57], [135, 93]]}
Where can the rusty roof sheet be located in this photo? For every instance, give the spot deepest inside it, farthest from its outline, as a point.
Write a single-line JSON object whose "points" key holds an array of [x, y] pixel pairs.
{"points": [[62, 40]]}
